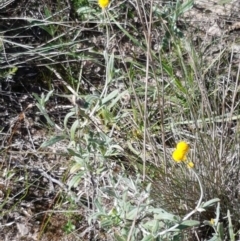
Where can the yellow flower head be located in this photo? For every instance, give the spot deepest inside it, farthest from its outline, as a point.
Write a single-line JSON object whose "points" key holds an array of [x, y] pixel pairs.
{"points": [[183, 146], [103, 3], [180, 153], [212, 221], [179, 156]]}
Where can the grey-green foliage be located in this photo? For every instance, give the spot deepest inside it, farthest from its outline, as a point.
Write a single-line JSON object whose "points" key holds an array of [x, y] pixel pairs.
{"points": [[220, 233], [41, 104], [132, 215]]}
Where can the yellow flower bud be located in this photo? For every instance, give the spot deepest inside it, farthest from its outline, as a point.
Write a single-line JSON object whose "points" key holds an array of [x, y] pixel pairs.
{"points": [[190, 164], [212, 221]]}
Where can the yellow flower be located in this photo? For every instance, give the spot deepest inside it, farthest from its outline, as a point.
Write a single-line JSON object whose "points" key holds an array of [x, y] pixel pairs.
{"points": [[212, 221], [183, 146], [181, 151], [103, 3], [179, 155]]}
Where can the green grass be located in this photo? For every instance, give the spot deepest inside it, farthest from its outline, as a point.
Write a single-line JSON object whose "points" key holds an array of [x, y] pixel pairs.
{"points": [[138, 84]]}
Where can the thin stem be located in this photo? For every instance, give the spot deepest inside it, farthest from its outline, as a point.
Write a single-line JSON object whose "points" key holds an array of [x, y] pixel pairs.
{"points": [[148, 40]]}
